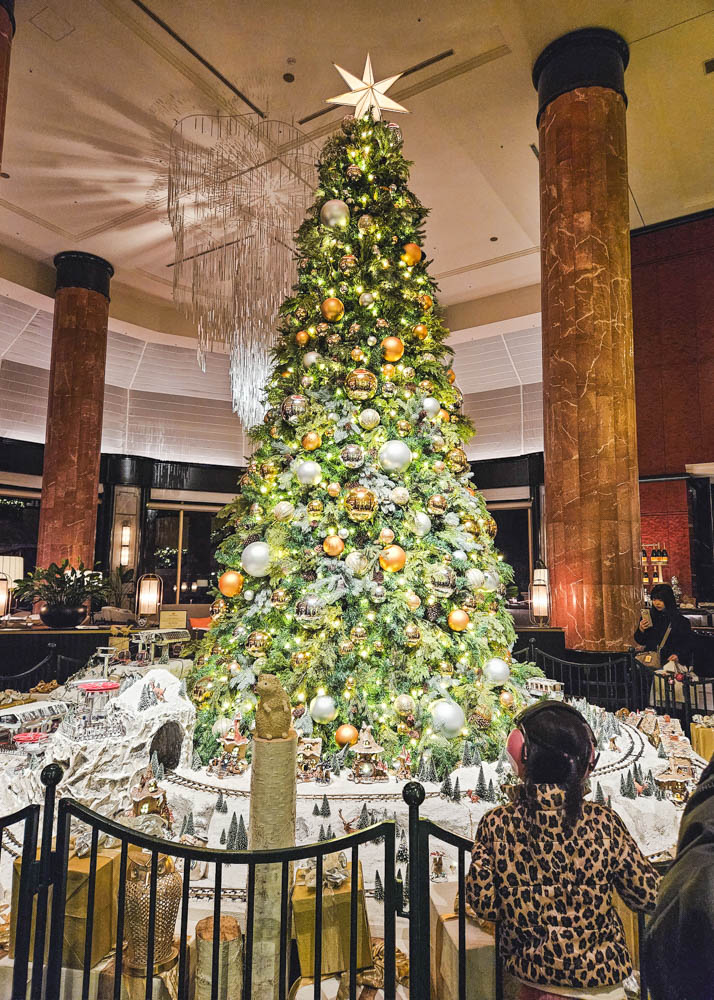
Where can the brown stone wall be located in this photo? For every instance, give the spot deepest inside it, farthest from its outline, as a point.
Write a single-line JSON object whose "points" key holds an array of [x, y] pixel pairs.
{"points": [[592, 501], [5, 47], [70, 478]]}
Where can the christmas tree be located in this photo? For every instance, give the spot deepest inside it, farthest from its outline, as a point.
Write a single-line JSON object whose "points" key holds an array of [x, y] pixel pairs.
{"points": [[361, 566]]}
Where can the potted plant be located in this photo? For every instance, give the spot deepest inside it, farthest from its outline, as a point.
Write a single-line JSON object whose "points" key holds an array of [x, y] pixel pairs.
{"points": [[63, 592]]}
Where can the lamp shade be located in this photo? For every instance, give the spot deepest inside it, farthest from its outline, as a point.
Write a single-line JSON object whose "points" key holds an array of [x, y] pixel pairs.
{"points": [[4, 594], [149, 592], [540, 595], [13, 567]]}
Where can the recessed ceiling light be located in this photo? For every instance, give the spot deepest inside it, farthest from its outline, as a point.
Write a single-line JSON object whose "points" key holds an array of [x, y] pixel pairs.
{"points": [[4, 175], [494, 239], [289, 77]]}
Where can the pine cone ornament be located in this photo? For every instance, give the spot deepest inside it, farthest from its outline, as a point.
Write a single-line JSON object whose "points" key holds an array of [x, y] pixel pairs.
{"points": [[432, 612], [309, 575], [252, 538], [481, 719]]}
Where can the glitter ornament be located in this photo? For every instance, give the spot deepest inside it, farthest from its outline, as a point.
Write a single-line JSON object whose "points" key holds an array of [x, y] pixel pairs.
{"points": [[300, 659], [365, 223], [315, 507], [404, 705], [358, 633], [311, 441], [347, 263], [399, 495], [352, 456], [369, 419], [404, 427], [294, 409], [366, 299], [283, 511], [311, 358], [456, 460]]}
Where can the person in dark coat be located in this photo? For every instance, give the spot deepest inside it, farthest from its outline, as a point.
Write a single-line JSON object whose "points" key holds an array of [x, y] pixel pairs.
{"points": [[678, 950], [678, 645]]}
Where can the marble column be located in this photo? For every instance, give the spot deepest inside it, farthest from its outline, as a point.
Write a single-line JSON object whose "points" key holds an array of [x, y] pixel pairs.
{"points": [[70, 476], [7, 30], [592, 513]]}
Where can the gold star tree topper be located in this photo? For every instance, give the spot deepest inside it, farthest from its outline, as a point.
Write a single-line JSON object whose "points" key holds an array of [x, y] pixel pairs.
{"points": [[365, 95]]}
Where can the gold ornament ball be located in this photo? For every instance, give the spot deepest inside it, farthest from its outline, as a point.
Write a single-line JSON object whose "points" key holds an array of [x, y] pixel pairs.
{"points": [[443, 415], [393, 558], [403, 428], [357, 354], [311, 441], [446, 669], [346, 735], [393, 348], [388, 371], [257, 643], [280, 598], [402, 728], [458, 620], [358, 633], [420, 331], [437, 504], [347, 263], [412, 634], [333, 489], [404, 704], [315, 507], [491, 527], [360, 384], [231, 583], [345, 647], [333, 545], [301, 659], [426, 386], [457, 460], [451, 375], [469, 602], [333, 310], [439, 466], [269, 470], [413, 601], [411, 254], [470, 525], [426, 302], [386, 536], [506, 698], [360, 504], [378, 646], [302, 337]]}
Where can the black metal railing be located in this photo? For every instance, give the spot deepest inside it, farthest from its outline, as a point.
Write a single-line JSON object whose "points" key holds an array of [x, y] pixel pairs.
{"points": [[48, 981], [54, 666], [26, 850]]}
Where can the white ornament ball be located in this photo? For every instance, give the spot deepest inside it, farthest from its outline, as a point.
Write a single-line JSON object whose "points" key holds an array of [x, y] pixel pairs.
{"points": [[458, 554], [357, 562], [221, 726], [431, 406], [309, 473], [248, 595], [496, 670], [368, 419], [447, 718], [399, 495], [335, 213], [366, 299], [422, 524], [255, 560], [283, 511], [394, 456], [491, 580], [311, 358], [475, 578], [323, 708], [343, 533]]}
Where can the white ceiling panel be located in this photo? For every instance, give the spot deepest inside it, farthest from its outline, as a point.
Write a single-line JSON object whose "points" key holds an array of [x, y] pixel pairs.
{"points": [[23, 401]]}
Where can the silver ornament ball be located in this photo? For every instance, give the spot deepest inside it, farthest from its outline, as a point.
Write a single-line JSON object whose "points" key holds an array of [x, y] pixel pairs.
{"points": [[496, 671], [309, 473], [255, 559], [323, 709], [447, 718], [395, 456], [335, 213]]}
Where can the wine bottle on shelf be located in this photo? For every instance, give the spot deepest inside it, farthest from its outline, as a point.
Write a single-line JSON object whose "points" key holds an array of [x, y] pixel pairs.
{"points": [[644, 556], [654, 557], [664, 555], [645, 577]]}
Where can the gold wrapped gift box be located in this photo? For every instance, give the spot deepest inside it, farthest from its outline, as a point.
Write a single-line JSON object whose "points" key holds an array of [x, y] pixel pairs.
{"points": [[335, 926], [75, 919], [703, 740]]}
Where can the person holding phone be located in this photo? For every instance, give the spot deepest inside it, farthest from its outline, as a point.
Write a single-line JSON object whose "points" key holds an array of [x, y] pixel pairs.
{"points": [[665, 629], [545, 866]]}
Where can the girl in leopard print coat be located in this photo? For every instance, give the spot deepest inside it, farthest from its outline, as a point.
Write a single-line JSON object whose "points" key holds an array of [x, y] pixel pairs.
{"points": [[545, 866]]}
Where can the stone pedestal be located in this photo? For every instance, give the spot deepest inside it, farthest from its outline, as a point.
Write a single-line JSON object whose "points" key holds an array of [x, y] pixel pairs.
{"points": [[7, 30], [70, 477], [592, 514]]}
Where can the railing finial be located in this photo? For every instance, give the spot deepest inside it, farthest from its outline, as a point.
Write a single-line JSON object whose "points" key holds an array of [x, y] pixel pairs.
{"points": [[51, 775], [413, 793]]}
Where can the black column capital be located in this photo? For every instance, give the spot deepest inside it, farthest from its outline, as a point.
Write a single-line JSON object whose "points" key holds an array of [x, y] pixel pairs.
{"points": [[83, 270], [9, 6], [589, 57]]}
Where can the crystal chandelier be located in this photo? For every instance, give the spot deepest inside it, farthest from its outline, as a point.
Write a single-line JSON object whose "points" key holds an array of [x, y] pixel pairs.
{"points": [[239, 187]]}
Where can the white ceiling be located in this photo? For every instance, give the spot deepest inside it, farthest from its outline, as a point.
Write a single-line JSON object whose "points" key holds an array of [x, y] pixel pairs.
{"points": [[96, 87]]}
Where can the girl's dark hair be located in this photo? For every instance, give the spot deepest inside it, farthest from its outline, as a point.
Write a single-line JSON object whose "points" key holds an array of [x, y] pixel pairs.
{"points": [[558, 747], [663, 592]]}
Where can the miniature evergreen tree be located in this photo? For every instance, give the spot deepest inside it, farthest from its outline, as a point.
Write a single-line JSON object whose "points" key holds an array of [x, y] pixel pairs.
{"points": [[361, 399], [378, 887], [325, 808], [196, 762], [481, 786], [432, 776], [661, 752], [466, 754], [446, 789], [321, 835], [363, 821], [232, 833], [190, 829], [491, 794], [329, 835], [241, 841], [155, 764], [144, 699], [316, 810], [630, 790], [182, 690], [403, 849], [599, 796], [223, 836], [219, 802], [183, 825], [456, 794], [475, 756], [160, 774], [623, 785]]}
